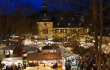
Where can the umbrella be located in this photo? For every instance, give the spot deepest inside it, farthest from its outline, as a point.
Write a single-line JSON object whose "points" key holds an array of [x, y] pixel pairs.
{"points": [[26, 48]]}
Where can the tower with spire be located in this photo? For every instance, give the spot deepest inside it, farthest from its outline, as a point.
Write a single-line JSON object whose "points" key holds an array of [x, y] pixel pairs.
{"points": [[45, 24], [44, 6]]}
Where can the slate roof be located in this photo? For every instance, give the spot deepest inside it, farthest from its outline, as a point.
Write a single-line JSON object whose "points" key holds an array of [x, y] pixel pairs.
{"points": [[60, 20]]}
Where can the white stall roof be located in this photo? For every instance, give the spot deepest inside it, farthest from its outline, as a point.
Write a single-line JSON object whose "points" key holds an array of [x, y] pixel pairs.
{"points": [[12, 60]]}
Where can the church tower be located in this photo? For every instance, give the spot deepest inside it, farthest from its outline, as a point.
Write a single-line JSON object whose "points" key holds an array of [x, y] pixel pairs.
{"points": [[45, 24]]}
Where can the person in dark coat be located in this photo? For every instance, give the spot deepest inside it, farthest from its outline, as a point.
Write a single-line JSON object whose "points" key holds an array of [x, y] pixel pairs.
{"points": [[18, 67], [8, 67], [55, 66], [68, 66], [94, 67], [81, 66]]}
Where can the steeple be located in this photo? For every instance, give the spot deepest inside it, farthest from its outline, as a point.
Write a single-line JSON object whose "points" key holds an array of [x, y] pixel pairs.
{"points": [[44, 15], [44, 6]]}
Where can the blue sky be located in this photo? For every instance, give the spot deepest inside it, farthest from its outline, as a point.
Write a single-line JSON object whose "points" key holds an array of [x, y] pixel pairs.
{"points": [[36, 3], [9, 5]]}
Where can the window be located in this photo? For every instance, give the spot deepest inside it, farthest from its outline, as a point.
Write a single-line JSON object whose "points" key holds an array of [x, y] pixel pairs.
{"points": [[72, 31], [61, 18], [54, 31], [65, 30], [65, 39], [45, 24], [72, 18], [60, 31], [68, 24], [44, 14], [45, 38], [45, 31], [58, 24], [81, 31]]}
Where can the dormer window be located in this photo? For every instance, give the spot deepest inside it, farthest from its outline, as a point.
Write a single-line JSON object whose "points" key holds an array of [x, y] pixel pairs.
{"points": [[79, 23], [72, 18], [58, 24], [44, 14], [82, 18], [62, 18], [68, 24], [90, 23]]}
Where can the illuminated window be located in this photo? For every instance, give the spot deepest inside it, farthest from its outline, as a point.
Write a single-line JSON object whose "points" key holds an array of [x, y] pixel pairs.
{"points": [[62, 18], [68, 38], [72, 18], [45, 31], [46, 38], [81, 31], [58, 24], [65, 39], [60, 31], [45, 24], [72, 31], [44, 14], [55, 31], [65, 30], [68, 24]]}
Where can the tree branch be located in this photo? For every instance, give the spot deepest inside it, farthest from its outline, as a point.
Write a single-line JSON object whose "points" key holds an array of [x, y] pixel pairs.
{"points": [[106, 7]]}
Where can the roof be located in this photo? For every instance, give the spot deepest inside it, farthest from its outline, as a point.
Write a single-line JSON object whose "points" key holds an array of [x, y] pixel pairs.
{"points": [[12, 60], [43, 56], [61, 20], [67, 22], [44, 17], [9, 47]]}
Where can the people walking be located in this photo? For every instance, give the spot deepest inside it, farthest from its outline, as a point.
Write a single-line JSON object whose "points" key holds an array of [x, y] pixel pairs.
{"points": [[68, 66]]}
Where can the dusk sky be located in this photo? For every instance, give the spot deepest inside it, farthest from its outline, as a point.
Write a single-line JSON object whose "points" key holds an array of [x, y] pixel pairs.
{"points": [[9, 5], [36, 3]]}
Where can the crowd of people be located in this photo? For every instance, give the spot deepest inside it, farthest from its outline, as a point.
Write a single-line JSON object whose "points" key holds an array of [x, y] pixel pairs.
{"points": [[12, 67], [88, 61]]}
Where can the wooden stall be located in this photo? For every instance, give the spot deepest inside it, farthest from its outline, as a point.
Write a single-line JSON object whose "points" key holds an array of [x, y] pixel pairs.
{"points": [[46, 60]]}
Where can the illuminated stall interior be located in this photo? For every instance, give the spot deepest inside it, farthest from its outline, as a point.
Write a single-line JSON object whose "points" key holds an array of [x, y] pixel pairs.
{"points": [[46, 60]]}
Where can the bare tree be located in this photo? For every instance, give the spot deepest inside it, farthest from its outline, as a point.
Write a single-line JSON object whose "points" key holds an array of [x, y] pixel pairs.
{"points": [[14, 20], [97, 13]]}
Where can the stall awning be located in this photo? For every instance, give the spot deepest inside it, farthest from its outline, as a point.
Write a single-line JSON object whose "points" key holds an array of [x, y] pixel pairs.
{"points": [[12, 60], [43, 56]]}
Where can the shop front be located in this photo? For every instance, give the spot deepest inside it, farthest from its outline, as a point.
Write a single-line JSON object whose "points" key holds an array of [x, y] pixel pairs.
{"points": [[44, 61]]}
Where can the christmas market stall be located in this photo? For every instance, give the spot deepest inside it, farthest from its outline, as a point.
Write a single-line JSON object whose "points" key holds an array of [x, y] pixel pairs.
{"points": [[11, 62], [44, 61]]}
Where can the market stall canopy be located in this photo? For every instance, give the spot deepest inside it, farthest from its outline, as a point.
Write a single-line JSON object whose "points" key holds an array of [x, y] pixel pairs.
{"points": [[43, 56], [12, 60], [9, 47], [27, 48]]}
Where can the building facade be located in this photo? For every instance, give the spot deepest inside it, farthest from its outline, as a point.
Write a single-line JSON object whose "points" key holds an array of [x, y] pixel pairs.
{"points": [[60, 28]]}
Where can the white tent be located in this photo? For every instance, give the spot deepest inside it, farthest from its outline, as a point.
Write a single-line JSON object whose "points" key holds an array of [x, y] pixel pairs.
{"points": [[106, 48], [12, 60]]}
